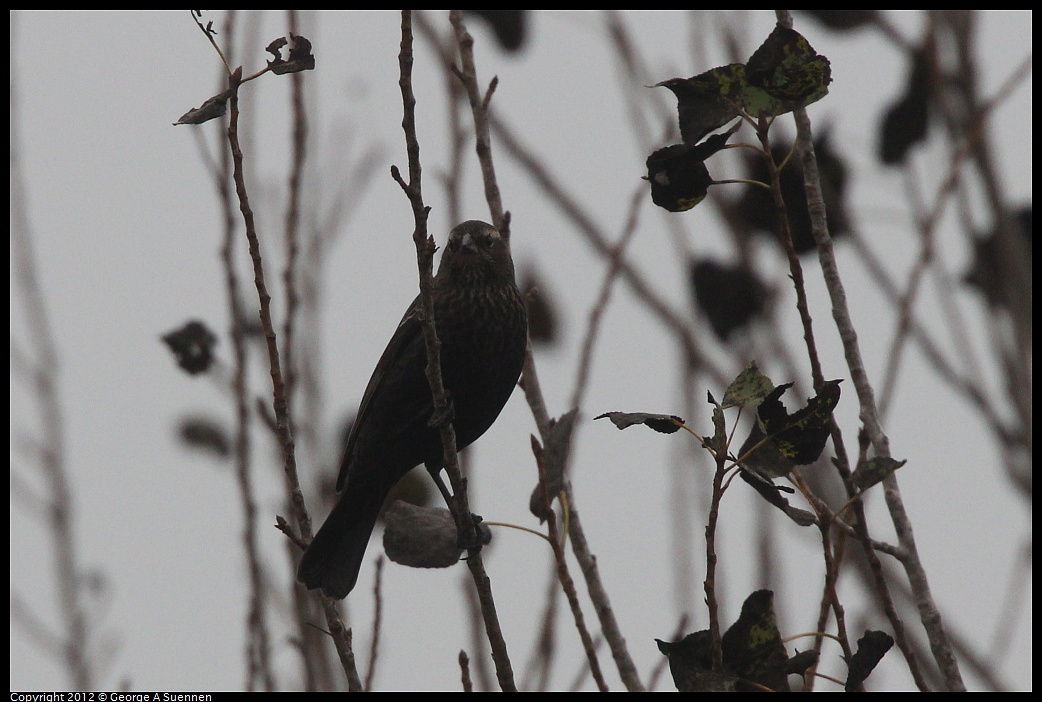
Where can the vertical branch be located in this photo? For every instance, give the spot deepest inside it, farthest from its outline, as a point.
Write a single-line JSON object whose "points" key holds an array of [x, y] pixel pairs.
{"points": [[479, 108], [279, 402], [374, 650], [424, 258], [283, 427]]}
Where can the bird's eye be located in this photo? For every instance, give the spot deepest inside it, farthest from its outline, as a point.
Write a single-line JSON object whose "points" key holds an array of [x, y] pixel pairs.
{"points": [[487, 241]]}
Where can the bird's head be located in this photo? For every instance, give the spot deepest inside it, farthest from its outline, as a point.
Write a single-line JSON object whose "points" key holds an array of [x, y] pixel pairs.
{"points": [[477, 251]]}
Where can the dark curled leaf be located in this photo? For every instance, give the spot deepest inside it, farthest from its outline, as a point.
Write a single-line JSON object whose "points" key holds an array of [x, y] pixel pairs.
{"points": [[663, 423], [678, 174], [679, 179], [802, 435], [423, 537], [772, 493], [870, 650], [193, 346], [554, 458], [206, 434], [211, 109], [300, 56], [874, 471], [753, 648], [690, 664], [275, 48]]}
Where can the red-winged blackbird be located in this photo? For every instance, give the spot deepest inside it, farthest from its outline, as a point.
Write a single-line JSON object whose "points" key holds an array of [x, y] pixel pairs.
{"points": [[481, 321]]}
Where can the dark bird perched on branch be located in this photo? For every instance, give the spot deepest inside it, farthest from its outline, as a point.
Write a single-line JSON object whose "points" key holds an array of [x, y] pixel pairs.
{"points": [[482, 325]]}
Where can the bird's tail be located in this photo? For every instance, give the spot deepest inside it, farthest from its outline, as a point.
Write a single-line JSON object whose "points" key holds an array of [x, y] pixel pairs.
{"points": [[333, 559]]}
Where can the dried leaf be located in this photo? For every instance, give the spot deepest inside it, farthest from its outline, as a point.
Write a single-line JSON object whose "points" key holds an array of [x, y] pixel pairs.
{"points": [[662, 423], [554, 458], [730, 296], [211, 109], [707, 101], [874, 471], [762, 456], [300, 56], [755, 212]]}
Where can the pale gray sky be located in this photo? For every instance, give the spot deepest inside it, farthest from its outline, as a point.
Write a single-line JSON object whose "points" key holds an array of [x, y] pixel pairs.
{"points": [[127, 232]]}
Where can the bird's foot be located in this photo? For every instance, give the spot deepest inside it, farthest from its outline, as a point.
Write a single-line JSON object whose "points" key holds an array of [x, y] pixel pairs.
{"points": [[483, 535]]}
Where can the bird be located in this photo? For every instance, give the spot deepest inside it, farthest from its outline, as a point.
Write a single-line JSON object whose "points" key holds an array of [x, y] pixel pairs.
{"points": [[482, 323]]}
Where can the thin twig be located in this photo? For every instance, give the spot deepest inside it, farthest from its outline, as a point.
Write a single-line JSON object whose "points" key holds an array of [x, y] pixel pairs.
{"points": [[479, 108], [374, 645], [425, 258]]}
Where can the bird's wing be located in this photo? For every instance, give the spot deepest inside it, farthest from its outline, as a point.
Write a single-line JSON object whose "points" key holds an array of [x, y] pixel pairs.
{"points": [[392, 406]]}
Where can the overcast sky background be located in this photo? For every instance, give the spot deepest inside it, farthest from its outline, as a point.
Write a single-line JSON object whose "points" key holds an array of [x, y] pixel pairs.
{"points": [[127, 232]]}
